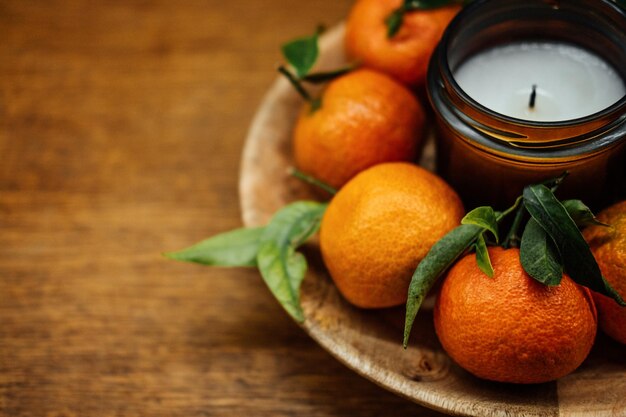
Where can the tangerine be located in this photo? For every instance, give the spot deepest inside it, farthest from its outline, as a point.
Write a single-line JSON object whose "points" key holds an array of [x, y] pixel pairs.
{"points": [[405, 55], [512, 328], [366, 118], [608, 245], [380, 225]]}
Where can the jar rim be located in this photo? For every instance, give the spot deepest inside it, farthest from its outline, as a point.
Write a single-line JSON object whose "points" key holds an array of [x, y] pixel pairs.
{"points": [[474, 7]]}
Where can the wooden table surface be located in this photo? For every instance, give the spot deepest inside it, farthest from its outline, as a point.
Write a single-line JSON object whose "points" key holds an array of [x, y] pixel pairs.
{"points": [[121, 127]]}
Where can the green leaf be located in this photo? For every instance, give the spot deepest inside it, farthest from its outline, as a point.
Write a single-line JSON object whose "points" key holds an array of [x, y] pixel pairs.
{"points": [[578, 260], [235, 248], [302, 53], [482, 256], [539, 255], [394, 22], [281, 267], [484, 217], [322, 77], [581, 214], [435, 263]]}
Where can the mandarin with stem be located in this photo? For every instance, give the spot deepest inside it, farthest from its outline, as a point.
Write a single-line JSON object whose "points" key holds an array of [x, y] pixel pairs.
{"points": [[364, 118], [406, 54], [512, 328]]}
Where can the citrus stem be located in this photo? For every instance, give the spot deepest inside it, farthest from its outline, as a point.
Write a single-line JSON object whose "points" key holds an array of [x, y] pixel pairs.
{"points": [[295, 82], [510, 210], [512, 238], [325, 76], [554, 183], [294, 172]]}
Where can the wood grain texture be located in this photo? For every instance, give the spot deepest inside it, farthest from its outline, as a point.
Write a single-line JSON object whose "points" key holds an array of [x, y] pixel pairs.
{"points": [[370, 341], [121, 129]]}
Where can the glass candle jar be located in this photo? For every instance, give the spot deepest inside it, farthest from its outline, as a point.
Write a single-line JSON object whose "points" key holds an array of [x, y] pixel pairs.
{"points": [[489, 157]]}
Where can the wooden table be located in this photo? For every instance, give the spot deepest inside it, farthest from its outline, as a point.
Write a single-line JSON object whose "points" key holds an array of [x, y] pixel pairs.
{"points": [[121, 127]]}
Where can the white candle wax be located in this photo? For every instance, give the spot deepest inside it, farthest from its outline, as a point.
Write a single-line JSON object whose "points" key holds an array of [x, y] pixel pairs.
{"points": [[571, 82]]}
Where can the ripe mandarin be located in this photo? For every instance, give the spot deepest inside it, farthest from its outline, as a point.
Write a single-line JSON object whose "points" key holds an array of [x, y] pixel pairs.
{"points": [[380, 225], [404, 56], [365, 118], [511, 328]]}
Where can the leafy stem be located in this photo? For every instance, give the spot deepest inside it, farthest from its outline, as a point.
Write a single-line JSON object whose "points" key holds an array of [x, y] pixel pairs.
{"points": [[296, 83], [551, 243], [294, 172], [510, 210], [301, 54], [513, 238], [559, 225], [325, 76]]}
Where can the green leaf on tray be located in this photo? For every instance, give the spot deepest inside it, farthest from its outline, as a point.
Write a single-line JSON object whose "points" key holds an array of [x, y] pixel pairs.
{"points": [[539, 255], [578, 260], [581, 214], [302, 53], [482, 256], [484, 217], [235, 248], [271, 248], [440, 257], [281, 267]]}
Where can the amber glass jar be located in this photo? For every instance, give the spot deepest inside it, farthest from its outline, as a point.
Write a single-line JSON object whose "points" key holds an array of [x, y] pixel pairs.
{"points": [[488, 157]]}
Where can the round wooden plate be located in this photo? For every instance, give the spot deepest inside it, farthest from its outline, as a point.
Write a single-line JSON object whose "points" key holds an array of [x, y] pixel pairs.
{"points": [[369, 342]]}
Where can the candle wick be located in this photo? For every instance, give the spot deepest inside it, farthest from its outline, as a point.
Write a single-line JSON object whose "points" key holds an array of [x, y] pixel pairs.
{"points": [[533, 97]]}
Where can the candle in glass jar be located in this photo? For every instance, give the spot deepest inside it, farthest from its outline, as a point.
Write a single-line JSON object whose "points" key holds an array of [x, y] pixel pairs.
{"points": [[540, 81]]}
